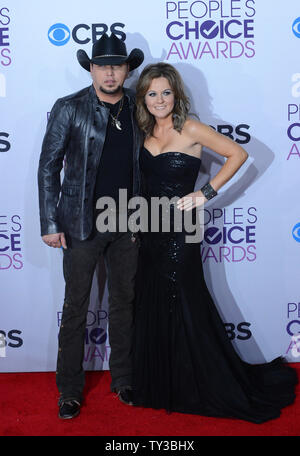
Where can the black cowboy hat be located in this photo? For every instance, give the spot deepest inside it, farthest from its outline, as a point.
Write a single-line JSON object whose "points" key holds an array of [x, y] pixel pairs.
{"points": [[110, 50]]}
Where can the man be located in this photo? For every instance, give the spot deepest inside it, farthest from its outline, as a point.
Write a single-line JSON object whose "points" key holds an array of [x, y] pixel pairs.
{"points": [[93, 133]]}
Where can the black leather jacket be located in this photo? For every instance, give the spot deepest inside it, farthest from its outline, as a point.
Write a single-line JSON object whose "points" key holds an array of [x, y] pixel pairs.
{"points": [[75, 137]]}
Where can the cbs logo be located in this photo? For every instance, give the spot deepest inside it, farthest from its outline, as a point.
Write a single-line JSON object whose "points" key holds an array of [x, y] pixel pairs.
{"points": [[296, 232], [11, 338], [236, 134], [240, 332], [59, 34], [4, 145], [296, 27]]}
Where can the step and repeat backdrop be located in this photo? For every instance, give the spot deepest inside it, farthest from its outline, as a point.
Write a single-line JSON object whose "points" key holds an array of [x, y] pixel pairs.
{"points": [[239, 60]]}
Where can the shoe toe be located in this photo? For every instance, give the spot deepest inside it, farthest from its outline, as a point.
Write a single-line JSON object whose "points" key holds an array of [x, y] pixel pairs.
{"points": [[69, 409], [125, 396]]}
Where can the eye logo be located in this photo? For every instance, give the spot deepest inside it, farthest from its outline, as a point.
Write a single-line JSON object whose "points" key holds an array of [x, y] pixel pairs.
{"points": [[59, 34], [296, 232], [296, 27]]}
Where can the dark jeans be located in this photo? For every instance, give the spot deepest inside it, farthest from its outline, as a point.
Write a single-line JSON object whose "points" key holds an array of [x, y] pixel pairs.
{"points": [[79, 263]]}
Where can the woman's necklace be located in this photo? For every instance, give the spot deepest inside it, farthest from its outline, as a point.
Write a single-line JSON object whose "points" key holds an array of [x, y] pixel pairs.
{"points": [[114, 119]]}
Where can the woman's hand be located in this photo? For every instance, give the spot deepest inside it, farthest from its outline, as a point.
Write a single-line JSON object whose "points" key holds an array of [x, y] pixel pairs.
{"points": [[190, 201]]}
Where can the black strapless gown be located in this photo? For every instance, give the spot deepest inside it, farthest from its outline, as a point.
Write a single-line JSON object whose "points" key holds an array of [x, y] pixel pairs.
{"points": [[183, 358]]}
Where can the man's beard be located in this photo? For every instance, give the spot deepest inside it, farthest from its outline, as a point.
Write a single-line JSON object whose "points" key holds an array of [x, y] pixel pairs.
{"points": [[112, 91]]}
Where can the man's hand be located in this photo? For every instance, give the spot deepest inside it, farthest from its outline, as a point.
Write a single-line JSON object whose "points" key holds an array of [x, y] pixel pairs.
{"points": [[55, 240]]}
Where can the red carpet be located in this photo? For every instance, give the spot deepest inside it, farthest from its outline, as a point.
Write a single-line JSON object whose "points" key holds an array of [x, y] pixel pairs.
{"points": [[28, 407]]}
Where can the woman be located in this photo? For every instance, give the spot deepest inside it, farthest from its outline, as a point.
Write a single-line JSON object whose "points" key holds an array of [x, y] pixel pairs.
{"points": [[183, 358]]}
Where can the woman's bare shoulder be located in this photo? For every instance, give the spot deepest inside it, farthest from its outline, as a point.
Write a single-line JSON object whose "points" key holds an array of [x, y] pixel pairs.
{"points": [[195, 127]]}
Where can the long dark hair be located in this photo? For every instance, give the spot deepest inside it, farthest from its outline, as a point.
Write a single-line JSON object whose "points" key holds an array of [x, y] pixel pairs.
{"points": [[145, 119]]}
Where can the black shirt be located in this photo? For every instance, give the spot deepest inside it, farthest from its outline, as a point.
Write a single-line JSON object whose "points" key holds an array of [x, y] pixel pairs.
{"points": [[116, 165]]}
